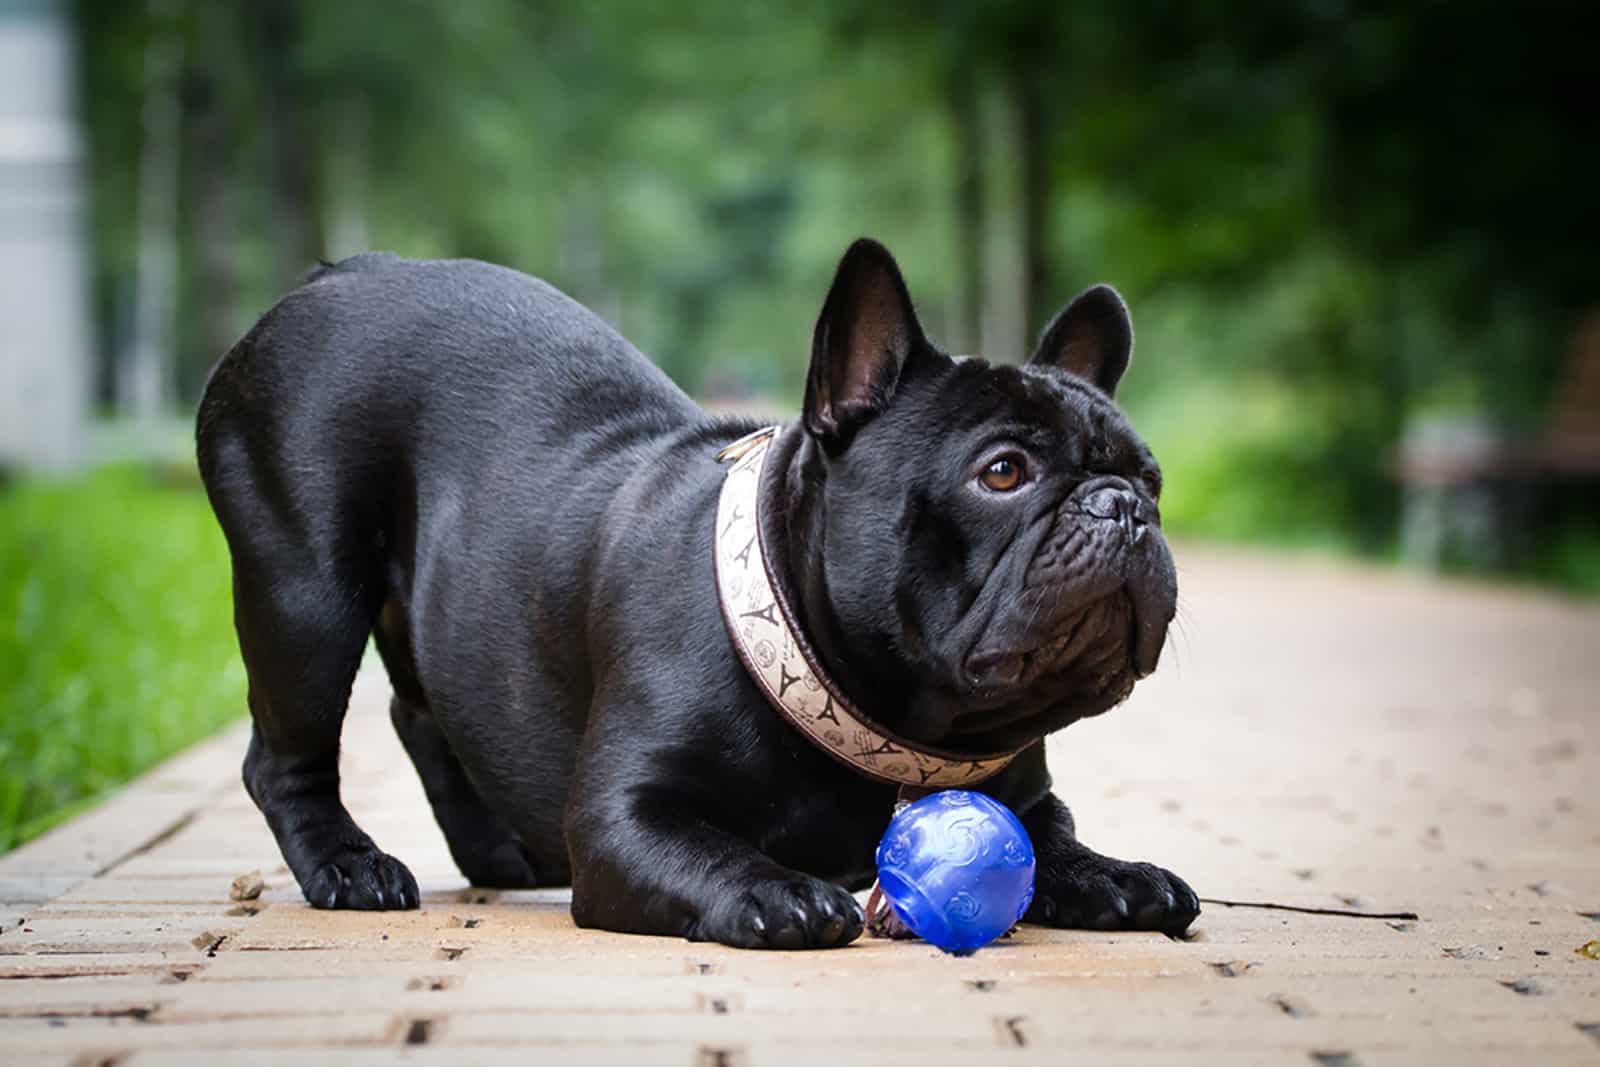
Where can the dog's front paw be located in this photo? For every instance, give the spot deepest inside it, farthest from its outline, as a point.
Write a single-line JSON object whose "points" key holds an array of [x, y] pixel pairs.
{"points": [[364, 879], [1095, 892], [786, 911]]}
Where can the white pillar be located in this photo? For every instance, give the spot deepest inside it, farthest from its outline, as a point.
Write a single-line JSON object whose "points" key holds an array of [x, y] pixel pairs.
{"points": [[44, 319]]}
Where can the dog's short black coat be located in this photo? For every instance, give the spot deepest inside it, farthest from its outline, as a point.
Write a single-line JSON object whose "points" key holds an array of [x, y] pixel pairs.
{"points": [[465, 464]]}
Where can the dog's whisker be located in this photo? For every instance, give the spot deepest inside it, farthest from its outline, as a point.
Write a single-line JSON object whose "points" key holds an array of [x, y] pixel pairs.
{"points": [[1187, 633]]}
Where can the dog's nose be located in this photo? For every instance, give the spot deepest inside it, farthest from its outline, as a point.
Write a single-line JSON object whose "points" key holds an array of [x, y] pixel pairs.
{"points": [[1119, 504]]}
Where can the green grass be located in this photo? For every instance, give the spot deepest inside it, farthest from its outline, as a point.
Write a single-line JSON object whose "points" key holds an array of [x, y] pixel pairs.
{"points": [[116, 638]]}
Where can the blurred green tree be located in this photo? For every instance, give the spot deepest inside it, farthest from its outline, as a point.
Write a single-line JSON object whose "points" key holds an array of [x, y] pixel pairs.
{"points": [[1328, 214]]}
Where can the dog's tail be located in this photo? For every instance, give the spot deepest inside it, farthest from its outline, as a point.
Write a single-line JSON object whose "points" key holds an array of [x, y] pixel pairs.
{"points": [[360, 261], [323, 267]]}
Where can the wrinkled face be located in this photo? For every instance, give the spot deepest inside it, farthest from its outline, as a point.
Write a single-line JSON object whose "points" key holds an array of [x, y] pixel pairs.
{"points": [[994, 529], [1014, 529]]}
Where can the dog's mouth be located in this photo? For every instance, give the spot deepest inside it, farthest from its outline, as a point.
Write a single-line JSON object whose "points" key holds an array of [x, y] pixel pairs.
{"points": [[1091, 648], [1068, 625]]}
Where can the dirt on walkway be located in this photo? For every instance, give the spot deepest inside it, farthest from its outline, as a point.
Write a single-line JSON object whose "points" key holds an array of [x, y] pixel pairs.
{"points": [[1320, 735]]}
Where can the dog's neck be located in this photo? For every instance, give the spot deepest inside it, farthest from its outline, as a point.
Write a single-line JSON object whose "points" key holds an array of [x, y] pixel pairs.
{"points": [[867, 666], [795, 515], [763, 608]]}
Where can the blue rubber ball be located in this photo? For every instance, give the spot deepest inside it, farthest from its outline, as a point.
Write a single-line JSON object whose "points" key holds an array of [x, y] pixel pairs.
{"points": [[958, 869]]}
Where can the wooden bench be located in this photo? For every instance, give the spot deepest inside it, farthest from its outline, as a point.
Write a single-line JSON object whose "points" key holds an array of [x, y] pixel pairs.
{"points": [[1468, 481]]}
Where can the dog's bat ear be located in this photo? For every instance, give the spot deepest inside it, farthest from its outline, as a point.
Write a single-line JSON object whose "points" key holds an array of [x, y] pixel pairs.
{"points": [[1091, 338], [864, 335]]}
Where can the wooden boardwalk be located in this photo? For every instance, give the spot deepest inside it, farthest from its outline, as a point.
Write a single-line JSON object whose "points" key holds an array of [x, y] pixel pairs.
{"points": [[1322, 735]]}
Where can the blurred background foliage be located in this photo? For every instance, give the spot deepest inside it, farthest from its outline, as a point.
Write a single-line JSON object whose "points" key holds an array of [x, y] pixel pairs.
{"points": [[1326, 215], [1334, 220]]}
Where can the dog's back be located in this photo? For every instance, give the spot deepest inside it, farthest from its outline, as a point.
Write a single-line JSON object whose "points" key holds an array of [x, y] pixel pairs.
{"points": [[384, 391], [376, 353]]}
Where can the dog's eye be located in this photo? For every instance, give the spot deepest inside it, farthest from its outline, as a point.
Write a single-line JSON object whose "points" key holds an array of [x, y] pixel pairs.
{"points": [[1003, 474]]}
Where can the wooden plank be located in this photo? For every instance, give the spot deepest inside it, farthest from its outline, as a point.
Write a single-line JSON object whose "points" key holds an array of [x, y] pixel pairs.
{"points": [[116, 1037], [1330, 737]]}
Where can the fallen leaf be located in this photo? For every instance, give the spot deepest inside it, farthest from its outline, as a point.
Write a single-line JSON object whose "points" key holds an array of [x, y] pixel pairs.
{"points": [[1591, 950], [1469, 952], [247, 886]]}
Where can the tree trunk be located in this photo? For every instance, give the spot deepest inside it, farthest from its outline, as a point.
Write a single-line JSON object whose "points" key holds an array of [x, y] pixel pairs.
{"points": [[1034, 173], [293, 186], [145, 378], [212, 218], [967, 308], [345, 220], [1005, 239]]}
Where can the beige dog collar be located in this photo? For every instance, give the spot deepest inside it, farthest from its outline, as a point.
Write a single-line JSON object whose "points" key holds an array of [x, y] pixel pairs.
{"points": [[764, 631]]}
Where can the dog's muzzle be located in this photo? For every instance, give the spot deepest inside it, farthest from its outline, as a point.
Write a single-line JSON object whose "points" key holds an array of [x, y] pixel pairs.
{"points": [[1098, 594]]}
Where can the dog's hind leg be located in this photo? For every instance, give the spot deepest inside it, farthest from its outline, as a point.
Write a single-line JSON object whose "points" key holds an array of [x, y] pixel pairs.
{"points": [[305, 596], [485, 848], [302, 643], [488, 852]]}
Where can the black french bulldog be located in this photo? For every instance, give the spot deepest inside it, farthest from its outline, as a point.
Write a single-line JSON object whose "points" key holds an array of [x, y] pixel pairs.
{"points": [[464, 463]]}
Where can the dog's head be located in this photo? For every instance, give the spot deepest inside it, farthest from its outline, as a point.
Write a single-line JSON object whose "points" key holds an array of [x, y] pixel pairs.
{"points": [[983, 539]]}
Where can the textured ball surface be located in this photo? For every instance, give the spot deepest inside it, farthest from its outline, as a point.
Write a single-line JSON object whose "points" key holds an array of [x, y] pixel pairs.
{"points": [[958, 869]]}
